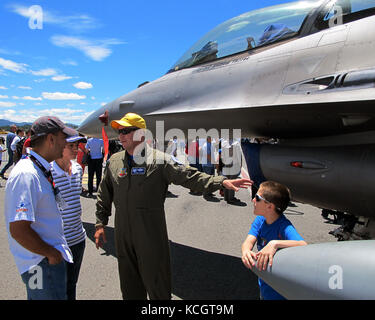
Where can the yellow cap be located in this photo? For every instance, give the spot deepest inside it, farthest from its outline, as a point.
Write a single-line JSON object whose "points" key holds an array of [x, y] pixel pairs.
{"points": [[130, 120]]}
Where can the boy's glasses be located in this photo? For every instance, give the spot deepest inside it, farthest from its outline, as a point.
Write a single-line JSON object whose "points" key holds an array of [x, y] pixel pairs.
{"points": [[126, 131], [258, 198]]}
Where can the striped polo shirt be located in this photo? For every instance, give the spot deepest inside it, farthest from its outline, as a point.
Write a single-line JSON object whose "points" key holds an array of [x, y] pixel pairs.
{"points": [[70, 187]]}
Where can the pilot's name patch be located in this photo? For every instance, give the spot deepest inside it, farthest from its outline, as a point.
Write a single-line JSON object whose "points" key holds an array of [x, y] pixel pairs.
{"points": [[138, 171]]}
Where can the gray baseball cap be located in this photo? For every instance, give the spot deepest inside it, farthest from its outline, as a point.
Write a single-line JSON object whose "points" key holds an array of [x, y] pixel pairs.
{"points": [[49, 124]]}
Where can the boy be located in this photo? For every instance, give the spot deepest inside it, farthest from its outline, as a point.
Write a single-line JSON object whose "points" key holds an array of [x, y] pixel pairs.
{"points": [[271, 230]]}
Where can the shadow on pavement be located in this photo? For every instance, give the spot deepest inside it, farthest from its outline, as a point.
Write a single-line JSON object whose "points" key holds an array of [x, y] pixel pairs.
{"points": [[200, 274]]}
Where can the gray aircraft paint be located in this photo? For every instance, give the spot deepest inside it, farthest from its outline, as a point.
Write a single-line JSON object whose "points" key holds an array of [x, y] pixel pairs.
{"points": [[317, 85], [316, 93], [329, 271]]}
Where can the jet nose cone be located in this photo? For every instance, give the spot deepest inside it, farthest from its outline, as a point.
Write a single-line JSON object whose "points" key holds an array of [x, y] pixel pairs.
{"points": [[91, 126]]}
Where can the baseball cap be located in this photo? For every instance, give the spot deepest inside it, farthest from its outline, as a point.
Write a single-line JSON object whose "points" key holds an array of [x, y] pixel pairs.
{"points": [[130, 120], [49, 124], [76, 138]]}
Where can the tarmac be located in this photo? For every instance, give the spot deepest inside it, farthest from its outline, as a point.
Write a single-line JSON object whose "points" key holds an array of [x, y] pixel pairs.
{"points": [[205, 242]]}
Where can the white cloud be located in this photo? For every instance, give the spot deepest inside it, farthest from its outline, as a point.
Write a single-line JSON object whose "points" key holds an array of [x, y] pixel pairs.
{"points": [[61, 111], [27, 98], [4, 104], [69, 115], [62, 96], [83, 85], [32, 98], [61, 78], [44, 72], [3, 97], [3, 88], [69, 63], [24, 87], [13, 66], [96, 50]]}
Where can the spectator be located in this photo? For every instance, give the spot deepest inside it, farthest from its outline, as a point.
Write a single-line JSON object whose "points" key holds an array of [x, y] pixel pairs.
{"points": [[95, 147], [67, 175], [231, 167], [2, 149], [208, 161], [9, 139], [33, 220], [271, 230], [17, 145], [27, 143]]}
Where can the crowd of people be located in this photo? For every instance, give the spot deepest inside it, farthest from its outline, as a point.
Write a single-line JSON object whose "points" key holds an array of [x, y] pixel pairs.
{"points": [[43, 209]]}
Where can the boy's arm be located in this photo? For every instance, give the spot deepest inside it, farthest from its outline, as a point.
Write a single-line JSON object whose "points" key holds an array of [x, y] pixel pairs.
{"points": [[265, 256], [248, 256]]}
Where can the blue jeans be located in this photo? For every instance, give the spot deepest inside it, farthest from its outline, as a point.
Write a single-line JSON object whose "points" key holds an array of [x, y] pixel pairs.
{"points": [[196, 166], [209, 169], [46, 282], [9, 164], [73, 269]]}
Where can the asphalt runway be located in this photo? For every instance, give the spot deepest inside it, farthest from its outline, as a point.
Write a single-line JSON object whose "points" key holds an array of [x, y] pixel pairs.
{"points": [[205, 241]]}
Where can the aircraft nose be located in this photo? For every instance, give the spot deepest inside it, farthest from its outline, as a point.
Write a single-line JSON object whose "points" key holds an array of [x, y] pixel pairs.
{"points": [[91, 126]]}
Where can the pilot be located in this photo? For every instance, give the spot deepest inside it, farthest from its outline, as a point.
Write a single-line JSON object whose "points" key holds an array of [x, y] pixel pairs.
{"points": [[136, 182]]}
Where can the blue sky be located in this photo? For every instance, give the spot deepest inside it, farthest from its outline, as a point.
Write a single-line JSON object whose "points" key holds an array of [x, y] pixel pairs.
{"points": [[90, 52]]}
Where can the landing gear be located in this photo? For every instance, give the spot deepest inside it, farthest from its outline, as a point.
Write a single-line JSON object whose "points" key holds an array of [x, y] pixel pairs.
{"points": [[352, 227]]}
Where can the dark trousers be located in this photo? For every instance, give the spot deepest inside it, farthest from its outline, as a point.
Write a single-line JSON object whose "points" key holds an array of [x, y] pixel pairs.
{"points": [[95, 166], [73, 269], [143, 256], [10, 162], [229, 195]]}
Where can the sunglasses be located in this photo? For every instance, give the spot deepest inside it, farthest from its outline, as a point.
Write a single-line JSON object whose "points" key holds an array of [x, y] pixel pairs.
{"points": [[258, 198], [126, 131]]}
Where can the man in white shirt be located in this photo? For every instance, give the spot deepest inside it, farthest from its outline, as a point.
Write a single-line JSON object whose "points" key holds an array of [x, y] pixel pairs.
{"points": [[33, 221], [20, 136], [95, 165], [20, 133]]}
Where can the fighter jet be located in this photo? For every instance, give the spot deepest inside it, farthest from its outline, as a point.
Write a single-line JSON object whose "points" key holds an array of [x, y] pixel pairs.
{"points": [[302, 73]]}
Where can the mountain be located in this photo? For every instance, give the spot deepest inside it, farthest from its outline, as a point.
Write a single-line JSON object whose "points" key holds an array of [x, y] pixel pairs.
{"points": [[7, 123]]}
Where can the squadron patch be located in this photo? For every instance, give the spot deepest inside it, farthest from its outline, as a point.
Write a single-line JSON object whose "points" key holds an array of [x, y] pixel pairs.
{"points": [[123, 173]]}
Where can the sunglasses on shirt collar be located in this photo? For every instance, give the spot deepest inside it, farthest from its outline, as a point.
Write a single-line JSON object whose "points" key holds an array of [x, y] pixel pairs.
{"points": [[125, 131], [258, 198]]}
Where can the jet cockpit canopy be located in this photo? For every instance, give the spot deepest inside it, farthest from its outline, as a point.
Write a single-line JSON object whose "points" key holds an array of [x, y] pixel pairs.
{"points": [[248, 31]]}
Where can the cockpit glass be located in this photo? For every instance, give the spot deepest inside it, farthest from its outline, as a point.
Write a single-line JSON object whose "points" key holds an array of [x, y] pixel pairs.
{"points": [[247, 31]]}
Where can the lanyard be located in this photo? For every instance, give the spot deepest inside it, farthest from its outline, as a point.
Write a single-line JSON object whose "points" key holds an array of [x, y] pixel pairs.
{"points": [[46, 173]]}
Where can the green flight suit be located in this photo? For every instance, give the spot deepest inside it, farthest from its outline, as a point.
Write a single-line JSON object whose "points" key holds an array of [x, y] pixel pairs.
{"points": [[138, 193]]}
